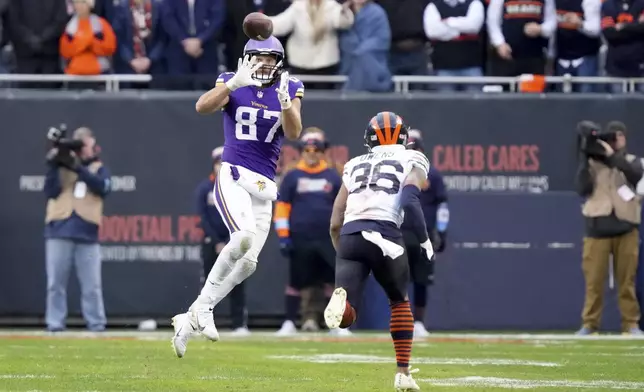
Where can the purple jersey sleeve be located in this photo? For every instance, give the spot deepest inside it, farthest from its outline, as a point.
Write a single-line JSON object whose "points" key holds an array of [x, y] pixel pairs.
{"points": [[223, 78], [295, 88]]}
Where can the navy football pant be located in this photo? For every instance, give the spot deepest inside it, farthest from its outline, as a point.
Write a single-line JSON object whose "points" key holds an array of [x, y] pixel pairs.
{"points": [[357, 257]]}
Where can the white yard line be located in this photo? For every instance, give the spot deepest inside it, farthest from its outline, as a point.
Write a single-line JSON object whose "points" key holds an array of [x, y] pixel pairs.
{"points": [[511, 383], [24, 376], [255, 378], [537, 339], [354, 358]]}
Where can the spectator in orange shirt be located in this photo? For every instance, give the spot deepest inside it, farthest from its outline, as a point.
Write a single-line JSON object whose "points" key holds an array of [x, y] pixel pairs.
{"points": [[88, 42]]}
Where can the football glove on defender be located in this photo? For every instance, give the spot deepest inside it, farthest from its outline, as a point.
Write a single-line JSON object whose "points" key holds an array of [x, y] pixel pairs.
{"points": [[439, 241], [429, 250], [244, 75], [282, 91]]}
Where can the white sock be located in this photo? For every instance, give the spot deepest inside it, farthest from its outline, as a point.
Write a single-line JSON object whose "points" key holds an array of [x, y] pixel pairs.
{"points": [[242, 269], [216, 287]]}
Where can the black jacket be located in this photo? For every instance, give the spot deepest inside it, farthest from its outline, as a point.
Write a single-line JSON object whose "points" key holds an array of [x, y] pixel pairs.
{"points": [[35, 26], [4, 6], [405, 18]]}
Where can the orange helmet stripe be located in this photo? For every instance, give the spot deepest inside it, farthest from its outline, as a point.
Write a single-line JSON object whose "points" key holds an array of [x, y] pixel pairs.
{"points": [[376, 127], [387, 125], [396, 130]]}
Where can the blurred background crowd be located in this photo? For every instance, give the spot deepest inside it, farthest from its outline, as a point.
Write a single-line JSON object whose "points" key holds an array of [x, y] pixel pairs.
{"points": [[184, 44]]}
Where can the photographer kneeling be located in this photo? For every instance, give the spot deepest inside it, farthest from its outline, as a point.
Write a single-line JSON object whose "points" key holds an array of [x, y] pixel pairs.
{"points": [[607, 178], [75, 184]]}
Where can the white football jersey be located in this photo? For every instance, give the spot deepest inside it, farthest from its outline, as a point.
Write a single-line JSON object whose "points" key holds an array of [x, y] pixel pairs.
{"points": [[374, 182]]}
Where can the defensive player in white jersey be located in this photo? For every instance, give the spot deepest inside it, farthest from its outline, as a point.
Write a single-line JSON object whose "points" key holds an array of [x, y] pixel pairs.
{"points": [[261, 105], [378, 189]]}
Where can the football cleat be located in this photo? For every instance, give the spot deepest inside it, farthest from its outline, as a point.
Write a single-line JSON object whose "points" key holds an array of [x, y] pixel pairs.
{"points": [[405, 382], [205, 323], [334, 312], [183, 330]]}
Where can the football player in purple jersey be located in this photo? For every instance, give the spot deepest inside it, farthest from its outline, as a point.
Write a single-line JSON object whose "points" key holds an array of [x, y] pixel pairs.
{"points": [[261, 105]]}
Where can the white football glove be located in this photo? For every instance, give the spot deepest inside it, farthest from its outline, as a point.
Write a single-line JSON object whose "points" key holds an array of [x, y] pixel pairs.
{"points": [[244, 75], [429, 249], [282, 91]]}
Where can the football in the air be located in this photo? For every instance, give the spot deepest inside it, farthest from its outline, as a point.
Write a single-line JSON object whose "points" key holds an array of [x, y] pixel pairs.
{"points": [[257, 26]]}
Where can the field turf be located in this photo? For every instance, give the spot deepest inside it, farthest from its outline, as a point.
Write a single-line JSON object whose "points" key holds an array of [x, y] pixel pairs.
{"points": [[134, 361]]}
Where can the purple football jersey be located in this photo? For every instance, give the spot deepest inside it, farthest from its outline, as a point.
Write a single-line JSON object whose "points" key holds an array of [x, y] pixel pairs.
{"points": [[253, 131]]}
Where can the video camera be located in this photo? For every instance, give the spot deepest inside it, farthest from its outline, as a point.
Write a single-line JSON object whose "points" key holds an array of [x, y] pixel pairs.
{"points": [[588, 134], [63, 145]]}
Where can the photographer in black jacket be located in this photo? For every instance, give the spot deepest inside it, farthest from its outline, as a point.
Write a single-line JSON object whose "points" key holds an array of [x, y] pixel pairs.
{"points": [[607, 179]]}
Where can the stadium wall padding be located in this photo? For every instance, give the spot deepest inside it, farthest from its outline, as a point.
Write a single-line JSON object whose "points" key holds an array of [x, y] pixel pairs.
{"points": [[513, 260]]}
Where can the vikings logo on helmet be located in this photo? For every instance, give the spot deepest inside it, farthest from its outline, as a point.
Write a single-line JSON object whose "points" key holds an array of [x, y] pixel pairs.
{"points": [[267, 74]]}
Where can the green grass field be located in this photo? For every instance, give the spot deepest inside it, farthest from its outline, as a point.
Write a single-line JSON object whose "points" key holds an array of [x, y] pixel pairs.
{"points": [[316, 362]]}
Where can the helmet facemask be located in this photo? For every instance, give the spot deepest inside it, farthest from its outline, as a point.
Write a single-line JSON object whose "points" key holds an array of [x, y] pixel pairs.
{"points": [[268, 74]]}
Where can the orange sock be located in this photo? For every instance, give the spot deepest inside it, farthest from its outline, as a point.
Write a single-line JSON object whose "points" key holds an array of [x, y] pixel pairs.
{"points": [[401, 327]]}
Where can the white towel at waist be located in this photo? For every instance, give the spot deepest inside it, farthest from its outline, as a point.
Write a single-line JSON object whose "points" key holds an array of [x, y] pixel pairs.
{"points": [[388, 248]]}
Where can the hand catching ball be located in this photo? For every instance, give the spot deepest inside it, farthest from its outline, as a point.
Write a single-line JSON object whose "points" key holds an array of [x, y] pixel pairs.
{"points": [[257, 26]]}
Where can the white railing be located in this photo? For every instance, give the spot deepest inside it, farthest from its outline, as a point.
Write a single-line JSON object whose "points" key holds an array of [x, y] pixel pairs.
{"points": [[112, 82], [401, 83]]}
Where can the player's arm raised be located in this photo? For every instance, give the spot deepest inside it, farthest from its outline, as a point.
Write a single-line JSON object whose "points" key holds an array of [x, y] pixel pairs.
{"points": [[213, 100], [218, 97], [337, 216], [292, 120], [291, 115]]}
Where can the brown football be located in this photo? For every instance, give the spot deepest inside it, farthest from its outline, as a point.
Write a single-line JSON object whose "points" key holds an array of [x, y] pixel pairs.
{"points": [[349, 316], [257, 26]]}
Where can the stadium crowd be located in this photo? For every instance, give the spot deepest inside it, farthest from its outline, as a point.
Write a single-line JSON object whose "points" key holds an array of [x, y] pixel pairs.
{"points": [[184, 44]]}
